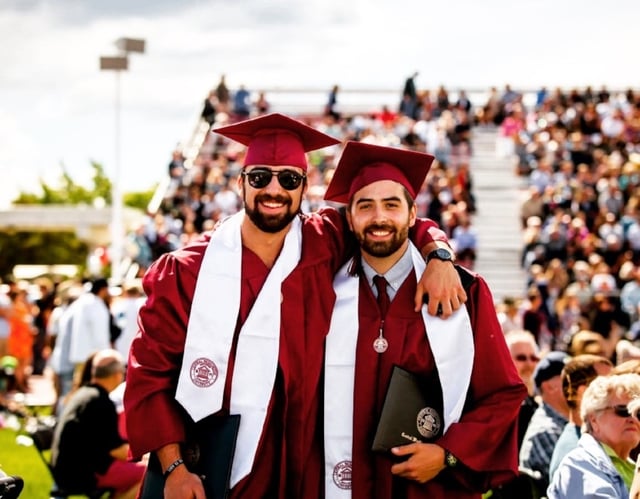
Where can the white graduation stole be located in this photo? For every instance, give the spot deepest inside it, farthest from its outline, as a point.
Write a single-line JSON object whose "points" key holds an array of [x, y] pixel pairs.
{"points": [[212, 322], [451, 342]]}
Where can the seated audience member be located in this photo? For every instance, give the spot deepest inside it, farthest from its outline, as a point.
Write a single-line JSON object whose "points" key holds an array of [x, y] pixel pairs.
{"points": [[509, 315], [629, 366], [634, 492], [87, 450], [524, 352], [600, 466], [589, 342], [549, 419], [576, 376]]}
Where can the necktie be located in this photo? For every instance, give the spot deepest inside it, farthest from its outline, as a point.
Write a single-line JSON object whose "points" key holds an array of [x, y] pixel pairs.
{"points": [[383, 298]]}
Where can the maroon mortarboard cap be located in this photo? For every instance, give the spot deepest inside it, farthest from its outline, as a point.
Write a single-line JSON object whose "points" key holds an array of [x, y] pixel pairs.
{"points": [[276, 140], [362, 164]]}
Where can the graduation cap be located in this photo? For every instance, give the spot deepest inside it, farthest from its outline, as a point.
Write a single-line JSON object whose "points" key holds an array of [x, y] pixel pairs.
{"points": [[362, 164], [276, 140]]}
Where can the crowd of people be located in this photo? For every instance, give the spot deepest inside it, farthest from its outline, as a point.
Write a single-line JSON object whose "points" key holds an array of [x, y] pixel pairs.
{"points": [[569, 335]]}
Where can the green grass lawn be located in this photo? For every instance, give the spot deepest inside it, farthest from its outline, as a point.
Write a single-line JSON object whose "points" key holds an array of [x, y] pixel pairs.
{"points": [[24, 461]]}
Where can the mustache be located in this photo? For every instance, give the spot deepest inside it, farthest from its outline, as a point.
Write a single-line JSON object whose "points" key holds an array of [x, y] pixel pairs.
{"points": [[375, 227], [263, 198]]}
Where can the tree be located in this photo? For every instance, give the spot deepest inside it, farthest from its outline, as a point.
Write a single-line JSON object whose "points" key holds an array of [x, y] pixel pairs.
{"points": [[40, 248], [23, 247], [68, 191]]}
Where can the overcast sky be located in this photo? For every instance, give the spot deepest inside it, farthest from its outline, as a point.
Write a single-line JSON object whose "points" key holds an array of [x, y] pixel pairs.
{"points": [[57, 108]]}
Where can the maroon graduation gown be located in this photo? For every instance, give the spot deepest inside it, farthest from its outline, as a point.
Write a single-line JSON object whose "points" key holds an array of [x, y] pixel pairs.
{"points": [[484, 440], [288, 462]]}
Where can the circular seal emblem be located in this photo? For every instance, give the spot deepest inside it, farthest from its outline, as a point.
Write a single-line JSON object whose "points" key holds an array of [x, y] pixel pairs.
{"points": [[204, 372], [428, 422], [342, 475]]}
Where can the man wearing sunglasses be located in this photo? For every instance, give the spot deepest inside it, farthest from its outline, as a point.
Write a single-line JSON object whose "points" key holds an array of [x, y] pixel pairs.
{"points": [[236, 324]]}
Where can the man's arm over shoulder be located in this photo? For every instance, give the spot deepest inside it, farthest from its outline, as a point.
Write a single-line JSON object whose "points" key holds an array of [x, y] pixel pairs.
{"points": [[439, 282], [330, 225]]}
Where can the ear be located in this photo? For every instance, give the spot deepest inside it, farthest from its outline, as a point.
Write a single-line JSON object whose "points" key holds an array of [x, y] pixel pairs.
{"points": [[413, 213], [348, 216], [593, 423], [240, 183]]}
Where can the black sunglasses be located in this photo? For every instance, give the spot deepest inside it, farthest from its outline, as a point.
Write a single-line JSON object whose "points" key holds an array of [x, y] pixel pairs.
{"points": [[261, 177], [619, 410], [523, 358]]}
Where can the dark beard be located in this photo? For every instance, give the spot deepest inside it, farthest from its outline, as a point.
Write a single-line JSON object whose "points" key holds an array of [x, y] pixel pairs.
{"points": [[382, 249], [269, 223]]}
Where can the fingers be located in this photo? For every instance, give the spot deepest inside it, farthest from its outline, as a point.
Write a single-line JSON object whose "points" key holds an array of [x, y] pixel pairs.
{"points": [[404, 450]]}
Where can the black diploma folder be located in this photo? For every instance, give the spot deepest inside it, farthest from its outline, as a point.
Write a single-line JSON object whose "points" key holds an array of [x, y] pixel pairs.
{"points": [[412, 411], [208, 452]]}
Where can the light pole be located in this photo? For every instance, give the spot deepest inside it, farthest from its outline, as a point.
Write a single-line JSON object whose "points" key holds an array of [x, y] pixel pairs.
{"points": [[117, 64]]}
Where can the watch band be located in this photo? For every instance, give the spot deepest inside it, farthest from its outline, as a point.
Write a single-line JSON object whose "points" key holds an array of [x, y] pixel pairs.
{"points": [[172, 467], [442, 254], [450, 461]]}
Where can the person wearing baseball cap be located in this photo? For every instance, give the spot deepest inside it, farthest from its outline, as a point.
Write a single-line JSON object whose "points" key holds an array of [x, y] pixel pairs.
{"points": [[236, 324], [549, 419], [375, 329]]}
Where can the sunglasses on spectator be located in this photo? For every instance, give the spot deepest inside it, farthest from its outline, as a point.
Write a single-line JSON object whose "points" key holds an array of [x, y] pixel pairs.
{"points": [[261, 177], [619, 410], [523, 358]]}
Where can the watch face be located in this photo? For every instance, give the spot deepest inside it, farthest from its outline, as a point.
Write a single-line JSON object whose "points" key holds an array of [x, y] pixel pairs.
{"points": [[442, 254]]}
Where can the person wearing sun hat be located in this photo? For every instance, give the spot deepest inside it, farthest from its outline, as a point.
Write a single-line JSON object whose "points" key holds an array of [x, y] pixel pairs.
{"points": [[236, 323], [471, 439]]}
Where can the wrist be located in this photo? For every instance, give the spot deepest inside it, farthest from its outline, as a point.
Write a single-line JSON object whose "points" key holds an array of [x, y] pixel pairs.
{"points": [[171, 468], [442, 254], [450, 461]]}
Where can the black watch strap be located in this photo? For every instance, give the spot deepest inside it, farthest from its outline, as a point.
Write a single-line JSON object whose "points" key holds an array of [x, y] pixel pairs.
{"points": [[440, 254]]}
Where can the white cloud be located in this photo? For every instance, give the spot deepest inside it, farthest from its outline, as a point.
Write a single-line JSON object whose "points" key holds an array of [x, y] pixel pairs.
{"points": [[58, 107]]}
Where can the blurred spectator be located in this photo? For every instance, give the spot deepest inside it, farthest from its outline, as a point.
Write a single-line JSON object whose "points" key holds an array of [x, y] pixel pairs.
{"points": [[241, 103], [524, 352], [5, 307], [138, 248], [589, 342], [44, 305], [409, 98], [331, 107], [465, 242], [60, 330], [21, 335], [209, 109], [87, 450], [630, 295], [223, 95], [576, 376], [600, 463], [463, 102], [535, 320], [125, 312], [176, 165], [509, 315], [227, 200], [262, 105], [549, 419], [90, 322]]}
